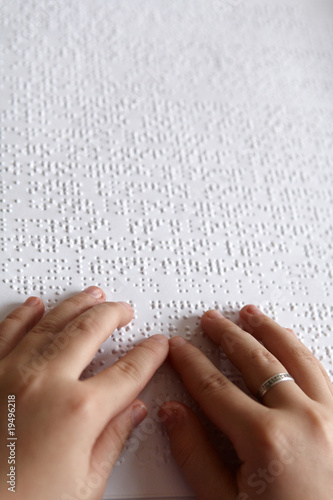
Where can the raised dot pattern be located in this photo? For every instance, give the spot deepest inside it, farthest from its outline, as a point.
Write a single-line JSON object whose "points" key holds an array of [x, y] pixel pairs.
{"points": [[178, 155]]}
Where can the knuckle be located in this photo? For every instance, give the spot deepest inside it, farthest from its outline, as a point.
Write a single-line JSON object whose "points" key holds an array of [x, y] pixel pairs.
{"points": [[15, 317], [270, 435], [47, 324], [28, 391], [300, 352], [77, 301], [261, 355], [320, 423], [80, 405], [212, 383], [82, 325], [4, 342], [228, 329], [128, 368], [257, 320], [148, 349]]}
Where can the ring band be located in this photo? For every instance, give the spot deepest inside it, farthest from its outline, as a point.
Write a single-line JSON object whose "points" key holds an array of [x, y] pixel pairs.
{"points": [[276, 379]]}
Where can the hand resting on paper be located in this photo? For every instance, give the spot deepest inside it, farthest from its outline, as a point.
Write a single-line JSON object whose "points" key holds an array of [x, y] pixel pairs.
{"points": [[65, 434], [70, 432], [284, 442]]}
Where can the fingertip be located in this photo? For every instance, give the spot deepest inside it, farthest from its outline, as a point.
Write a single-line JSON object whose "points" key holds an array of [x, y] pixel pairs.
{"points": [[291, 331], [211, 314], [127, 305], [252, 318], [126, 313], [176, 342], [95, 292], [194, 453], [251, 309], [160, 343], [162, 339], [171, 413], [138, 413], [33, 301], [243, 310]]}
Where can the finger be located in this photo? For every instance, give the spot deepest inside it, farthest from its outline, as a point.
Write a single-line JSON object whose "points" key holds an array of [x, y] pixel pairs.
{"points": [[298, 360], [18, 323], [112, 439], [54, 321], [73, 349], [322, 369], [123, 381], [252, 359], [291, 330], [200, 463], [226, 405]]}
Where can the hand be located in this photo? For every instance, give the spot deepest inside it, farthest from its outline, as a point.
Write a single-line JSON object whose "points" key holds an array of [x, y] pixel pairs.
{"points": [[285, 445], [69, 432]]}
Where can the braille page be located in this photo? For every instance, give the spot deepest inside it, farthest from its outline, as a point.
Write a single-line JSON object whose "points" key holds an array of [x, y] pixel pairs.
{"points": [[179, 155]]}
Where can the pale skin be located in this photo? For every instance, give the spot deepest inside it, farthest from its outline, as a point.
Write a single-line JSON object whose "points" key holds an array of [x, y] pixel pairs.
{"points": [[71, 432], [285, 443]]}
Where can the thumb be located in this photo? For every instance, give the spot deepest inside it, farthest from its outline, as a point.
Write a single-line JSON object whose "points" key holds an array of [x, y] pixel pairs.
{"points": [[199, 461], [111, 441]]}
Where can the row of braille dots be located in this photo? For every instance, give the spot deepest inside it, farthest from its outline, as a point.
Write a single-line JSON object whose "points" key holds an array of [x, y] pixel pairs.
{"points": [[61, 272], [271, 289], [53, 244], [124, 146], [44, 243], [130, 189], [98, 268], [206, 210], [120, 269], [58, 276], [148, 245], [204, 225], [150, 225], [146, 208], [37, 286], [38, 169], [208, 174]]}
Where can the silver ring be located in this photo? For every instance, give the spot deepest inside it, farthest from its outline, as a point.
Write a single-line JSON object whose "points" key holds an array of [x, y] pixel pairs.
{"points": [[276, 379]]}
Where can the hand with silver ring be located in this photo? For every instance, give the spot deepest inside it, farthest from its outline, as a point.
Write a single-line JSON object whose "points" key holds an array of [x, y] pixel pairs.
{"points": [[284, 440]]}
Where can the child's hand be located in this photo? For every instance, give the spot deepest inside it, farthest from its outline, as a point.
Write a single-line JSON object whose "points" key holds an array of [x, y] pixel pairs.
{"points": [[285, 443], [69, 432]]}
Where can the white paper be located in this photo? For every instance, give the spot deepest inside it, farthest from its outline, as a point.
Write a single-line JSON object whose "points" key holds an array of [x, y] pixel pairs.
{"points": [[179, 155]]}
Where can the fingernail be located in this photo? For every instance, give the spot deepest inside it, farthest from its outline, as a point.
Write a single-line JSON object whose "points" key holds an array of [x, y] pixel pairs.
{"points": [[94, 291], [254, 310], [177, 342], [139, 413], [125, 304], [159, 338], [170, 415], [213, 314], [31, 301]]}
